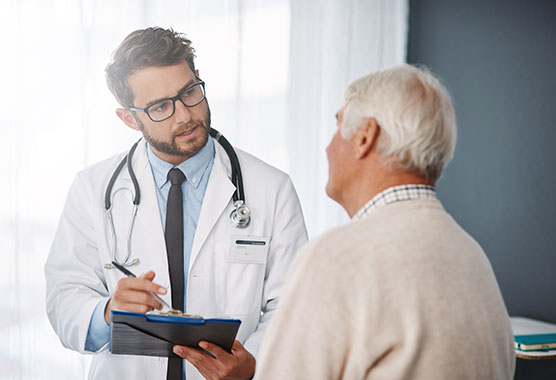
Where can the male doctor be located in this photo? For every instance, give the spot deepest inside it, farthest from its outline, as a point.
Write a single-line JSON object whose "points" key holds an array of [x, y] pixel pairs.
{"points": [[153, 77]]}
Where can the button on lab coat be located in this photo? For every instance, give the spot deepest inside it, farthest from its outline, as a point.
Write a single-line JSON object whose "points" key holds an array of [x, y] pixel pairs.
{"points": [[218, 286]]}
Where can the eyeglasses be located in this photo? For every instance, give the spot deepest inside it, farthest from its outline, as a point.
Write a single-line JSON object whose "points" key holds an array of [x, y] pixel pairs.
{"points": [[165, 108]]}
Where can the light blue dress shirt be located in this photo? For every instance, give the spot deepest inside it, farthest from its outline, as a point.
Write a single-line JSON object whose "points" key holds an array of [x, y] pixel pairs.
{"points": [[197, 171]]}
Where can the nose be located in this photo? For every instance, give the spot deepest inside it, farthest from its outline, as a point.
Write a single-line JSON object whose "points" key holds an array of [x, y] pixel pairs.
{"points": [[327, 149], [182, 114]]}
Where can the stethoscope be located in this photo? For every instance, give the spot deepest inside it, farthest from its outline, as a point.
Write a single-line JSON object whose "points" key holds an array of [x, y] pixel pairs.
{"points": [[240, 216]]}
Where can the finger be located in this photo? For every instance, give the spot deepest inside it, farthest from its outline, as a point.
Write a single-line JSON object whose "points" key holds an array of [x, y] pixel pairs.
{"points": [[206, 372], [203, 362], [215, 350], [206, 368], [132, 307], [141, 284], [150, 275], [237, 346], [128, 296], [142, 298], [191, 354]]}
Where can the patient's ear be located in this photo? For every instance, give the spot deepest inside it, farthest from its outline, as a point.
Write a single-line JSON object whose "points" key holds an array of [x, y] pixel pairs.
{"points": [[127, 118], [366, 137]]}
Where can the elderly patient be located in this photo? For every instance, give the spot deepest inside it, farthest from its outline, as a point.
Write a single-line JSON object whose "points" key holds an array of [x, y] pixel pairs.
{"points": [[402, 291]]}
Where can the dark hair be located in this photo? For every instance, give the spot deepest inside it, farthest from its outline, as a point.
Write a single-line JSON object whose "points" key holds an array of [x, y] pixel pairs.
{"points": [[145, 48]]}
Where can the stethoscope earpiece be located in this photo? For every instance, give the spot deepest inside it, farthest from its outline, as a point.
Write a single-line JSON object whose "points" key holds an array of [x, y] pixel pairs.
{"points": [[132, 263]]}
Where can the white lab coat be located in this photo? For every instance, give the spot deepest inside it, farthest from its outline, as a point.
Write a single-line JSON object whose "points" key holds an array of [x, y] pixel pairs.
{"points": [[77, 280]]}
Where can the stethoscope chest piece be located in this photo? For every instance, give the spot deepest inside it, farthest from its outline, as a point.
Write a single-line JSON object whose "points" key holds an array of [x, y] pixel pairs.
{"points": [[241, 215]]}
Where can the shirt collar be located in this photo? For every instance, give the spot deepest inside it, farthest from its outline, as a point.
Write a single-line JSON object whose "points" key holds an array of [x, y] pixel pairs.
{"points": [[194, 168], [396, 194]]}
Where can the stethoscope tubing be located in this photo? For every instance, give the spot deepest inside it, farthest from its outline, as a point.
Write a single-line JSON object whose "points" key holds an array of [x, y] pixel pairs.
{"points": [[238, 195], [137, 191], [237, 178]]}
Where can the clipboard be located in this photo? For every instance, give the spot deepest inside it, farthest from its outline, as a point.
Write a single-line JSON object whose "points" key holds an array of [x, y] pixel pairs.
{"points": [[156, 335]]}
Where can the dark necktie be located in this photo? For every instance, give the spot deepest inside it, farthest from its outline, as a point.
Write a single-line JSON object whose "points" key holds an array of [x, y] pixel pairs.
{"points": [[173, 235]]}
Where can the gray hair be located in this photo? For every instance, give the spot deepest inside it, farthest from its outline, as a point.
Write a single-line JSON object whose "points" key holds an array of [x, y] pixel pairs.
{"points": [[415, 114]]}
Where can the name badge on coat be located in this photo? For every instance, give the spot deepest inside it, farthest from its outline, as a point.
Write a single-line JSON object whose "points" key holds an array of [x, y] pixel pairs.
{"points": [[248, 249]]}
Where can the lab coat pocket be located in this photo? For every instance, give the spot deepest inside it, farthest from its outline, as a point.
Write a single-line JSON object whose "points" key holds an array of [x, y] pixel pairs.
{"points": [[241, 274]]}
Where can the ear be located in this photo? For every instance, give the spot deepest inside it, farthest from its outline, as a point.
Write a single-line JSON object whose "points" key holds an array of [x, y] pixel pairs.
{"points": [[127, 118], [197, 73], [366, 137]]}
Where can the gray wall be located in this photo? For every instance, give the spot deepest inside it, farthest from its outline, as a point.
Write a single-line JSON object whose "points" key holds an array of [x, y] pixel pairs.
{"points": [[498, 59]]}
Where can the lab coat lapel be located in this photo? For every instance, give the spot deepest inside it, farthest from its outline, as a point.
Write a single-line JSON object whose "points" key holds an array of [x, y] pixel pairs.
{"points": [[217, 197]]}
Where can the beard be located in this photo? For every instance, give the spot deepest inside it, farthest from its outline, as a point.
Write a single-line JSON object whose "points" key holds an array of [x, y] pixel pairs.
{"points": [[172, 148]]}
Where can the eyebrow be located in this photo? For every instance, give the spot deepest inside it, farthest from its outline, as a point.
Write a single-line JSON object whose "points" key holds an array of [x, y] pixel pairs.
{"points": [[188, 84]]}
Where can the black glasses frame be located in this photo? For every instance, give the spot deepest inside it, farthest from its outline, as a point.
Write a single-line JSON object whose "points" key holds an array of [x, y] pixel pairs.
{"points": [[173, 99]]}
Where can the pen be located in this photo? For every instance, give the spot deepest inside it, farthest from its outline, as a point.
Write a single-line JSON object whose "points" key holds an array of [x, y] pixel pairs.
{"points": [[129, 274]]}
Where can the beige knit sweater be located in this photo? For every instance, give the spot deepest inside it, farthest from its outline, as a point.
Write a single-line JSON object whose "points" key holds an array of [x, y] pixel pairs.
{"points": [[403, 293]]}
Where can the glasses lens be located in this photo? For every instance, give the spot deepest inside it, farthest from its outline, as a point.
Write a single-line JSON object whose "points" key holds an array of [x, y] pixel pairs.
{"points": [[193, 95], [162, 110]]}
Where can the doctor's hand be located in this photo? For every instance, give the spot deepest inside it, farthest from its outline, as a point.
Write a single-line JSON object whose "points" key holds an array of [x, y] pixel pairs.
{"points": [[239, 365], [132, 294]]}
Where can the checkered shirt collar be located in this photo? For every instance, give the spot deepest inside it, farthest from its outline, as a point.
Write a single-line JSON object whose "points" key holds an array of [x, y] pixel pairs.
{"points": [[395, 194]]}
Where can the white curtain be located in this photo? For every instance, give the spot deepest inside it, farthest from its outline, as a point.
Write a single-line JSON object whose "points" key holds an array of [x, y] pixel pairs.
{"points": [[275, 73], [332, 43]]}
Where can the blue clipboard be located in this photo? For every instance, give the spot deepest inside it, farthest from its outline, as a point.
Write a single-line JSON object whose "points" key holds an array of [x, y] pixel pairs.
{"points": [[155, 335]]}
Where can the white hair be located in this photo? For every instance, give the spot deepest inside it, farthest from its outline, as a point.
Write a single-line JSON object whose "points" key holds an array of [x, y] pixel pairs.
{"points": [[415, 114]]}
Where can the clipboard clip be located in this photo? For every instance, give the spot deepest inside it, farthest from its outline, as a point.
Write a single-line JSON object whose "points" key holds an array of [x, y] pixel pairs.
{"points": [[173, 313]]}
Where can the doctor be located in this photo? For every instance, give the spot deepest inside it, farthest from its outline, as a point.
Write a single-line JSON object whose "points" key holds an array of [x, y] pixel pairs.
{"points": [[185, 196]]}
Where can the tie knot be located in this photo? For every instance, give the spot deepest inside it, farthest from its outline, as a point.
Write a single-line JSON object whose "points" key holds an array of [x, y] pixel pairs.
{"points": [[176, 176]]}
